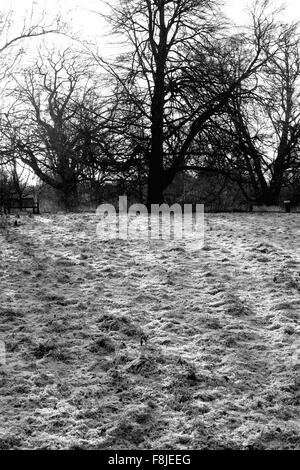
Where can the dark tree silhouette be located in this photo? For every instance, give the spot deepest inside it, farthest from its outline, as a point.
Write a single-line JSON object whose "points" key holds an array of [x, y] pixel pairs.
{"points": [[53, 127], [266, 124], [180, 70]]}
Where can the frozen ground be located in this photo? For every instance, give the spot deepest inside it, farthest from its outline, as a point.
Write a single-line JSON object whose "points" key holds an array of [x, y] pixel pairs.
{"points": [[220, 368]]}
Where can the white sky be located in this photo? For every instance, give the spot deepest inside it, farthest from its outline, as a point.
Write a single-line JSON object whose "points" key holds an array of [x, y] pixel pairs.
{"points": [[236, 9], [92, 25]]}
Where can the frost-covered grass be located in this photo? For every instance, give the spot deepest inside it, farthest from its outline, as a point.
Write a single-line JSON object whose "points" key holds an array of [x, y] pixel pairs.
{"points": [[116, 345]]}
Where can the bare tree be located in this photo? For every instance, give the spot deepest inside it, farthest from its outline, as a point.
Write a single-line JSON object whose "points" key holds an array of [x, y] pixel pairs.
{"points": [[174, 46], [267, 122], [14, 34], [52, 123], [13, 37]]}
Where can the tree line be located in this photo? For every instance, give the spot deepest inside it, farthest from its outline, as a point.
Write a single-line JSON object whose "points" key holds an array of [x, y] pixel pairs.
{"points": [[189, 93]]}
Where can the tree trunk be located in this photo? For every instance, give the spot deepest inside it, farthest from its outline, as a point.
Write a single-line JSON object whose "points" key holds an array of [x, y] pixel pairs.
{"points": [[271, 196], [156, 157], [155, 188], [69, 196]]}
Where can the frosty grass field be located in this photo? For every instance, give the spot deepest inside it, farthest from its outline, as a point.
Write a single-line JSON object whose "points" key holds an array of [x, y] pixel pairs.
{"points": [[131, 345]]}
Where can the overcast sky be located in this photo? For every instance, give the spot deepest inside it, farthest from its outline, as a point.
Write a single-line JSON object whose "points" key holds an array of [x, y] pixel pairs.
{"points": [[81, 16], [236, 9], [90, 23]]}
